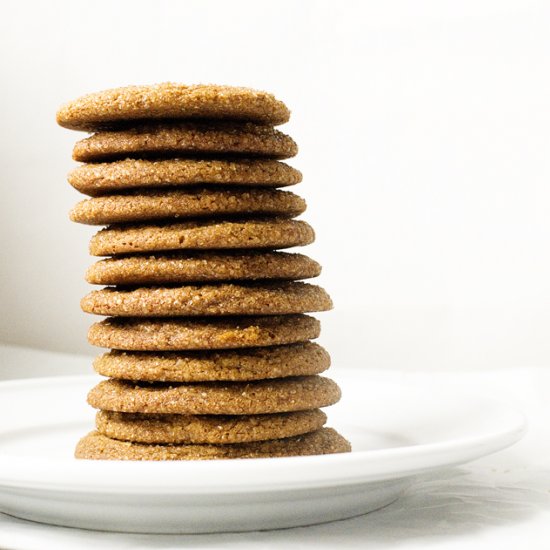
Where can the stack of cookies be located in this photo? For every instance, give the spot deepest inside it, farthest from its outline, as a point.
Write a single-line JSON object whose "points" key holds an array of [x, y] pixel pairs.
{"points": [[210, 345]]}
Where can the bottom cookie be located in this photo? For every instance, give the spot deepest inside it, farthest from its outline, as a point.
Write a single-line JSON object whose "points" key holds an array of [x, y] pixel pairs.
{"points": [[95, 446], [216, 429]]}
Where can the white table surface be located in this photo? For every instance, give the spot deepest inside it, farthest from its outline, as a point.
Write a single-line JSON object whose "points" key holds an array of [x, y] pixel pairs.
{"points": [[501, 501]]}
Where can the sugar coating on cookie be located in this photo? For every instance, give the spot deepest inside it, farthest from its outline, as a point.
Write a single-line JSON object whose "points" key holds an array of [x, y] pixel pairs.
{"points": [[298, 393], [230, 365], [196, 235], [111, 177], [96, 446], [198, 429], [220, 299], [202, 333], [109, 108], [191, 203], [185, 267], [186, 138]]}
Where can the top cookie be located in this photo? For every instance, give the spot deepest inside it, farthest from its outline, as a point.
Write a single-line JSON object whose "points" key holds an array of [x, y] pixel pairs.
{"points": [[117, 107]]}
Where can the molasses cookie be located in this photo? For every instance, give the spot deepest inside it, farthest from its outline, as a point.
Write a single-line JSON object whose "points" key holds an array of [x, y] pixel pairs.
{"points": [[300, 393], [111, 108], [199, 366], [185, 267], [195, 203], [96, 446], [205, 300], [199, 429], [208, 234], [113, 177], [176, 139], [202, 333]]}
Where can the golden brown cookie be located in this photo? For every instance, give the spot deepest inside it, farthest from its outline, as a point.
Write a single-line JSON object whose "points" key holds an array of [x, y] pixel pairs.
{"points": [[109, 108], [184, 267], [204, 300], [299, 393], [193, 235], [95, 446], [192, 203], [200, 366], [214, 429], [113, 177], [202, 333], [186, 138]]}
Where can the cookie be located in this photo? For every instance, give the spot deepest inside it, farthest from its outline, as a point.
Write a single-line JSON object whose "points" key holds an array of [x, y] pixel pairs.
{"points": [[193, 235], [113, 177], [300, 393], [186, 138], [95, 446], [110, 108], [210, 333], [193, 203], [200, 366], [215, 429], [182, 267], [205, 300]]}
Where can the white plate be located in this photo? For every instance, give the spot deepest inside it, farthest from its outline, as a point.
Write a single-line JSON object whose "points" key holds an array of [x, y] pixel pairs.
{"points": [[396, 431]]}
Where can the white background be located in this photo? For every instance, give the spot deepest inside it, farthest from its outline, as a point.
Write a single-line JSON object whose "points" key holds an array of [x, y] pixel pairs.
{"points": [[424, 131]]}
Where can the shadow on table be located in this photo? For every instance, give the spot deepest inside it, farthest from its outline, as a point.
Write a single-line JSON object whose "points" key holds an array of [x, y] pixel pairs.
{"points": [[457, 503], [450, 504], [453, 503]]}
